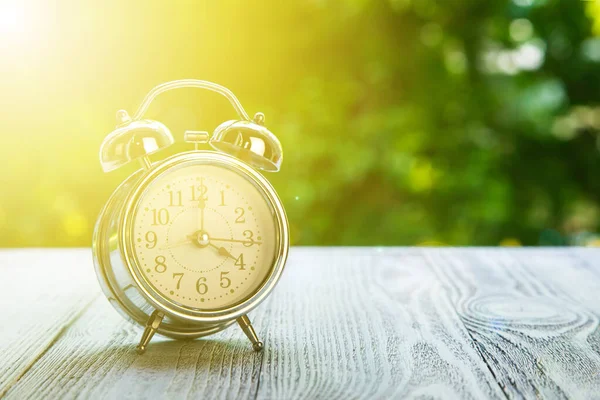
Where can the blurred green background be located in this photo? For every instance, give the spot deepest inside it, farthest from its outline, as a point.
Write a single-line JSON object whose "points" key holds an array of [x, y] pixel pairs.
{"points": [[403, 122]]}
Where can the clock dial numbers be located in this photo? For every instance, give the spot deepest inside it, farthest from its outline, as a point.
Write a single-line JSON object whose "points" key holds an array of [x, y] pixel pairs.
{"points": [[178, 276], [240, 213], [151, 239], [160, 217], [160, 264], [249, 236], [175, 199], [198, 192], [205, 236], [201, 286], [225, 281], [240, 262]]}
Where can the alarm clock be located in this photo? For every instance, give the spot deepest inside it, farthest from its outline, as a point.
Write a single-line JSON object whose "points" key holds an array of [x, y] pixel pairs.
{"points": [[189, 245]]}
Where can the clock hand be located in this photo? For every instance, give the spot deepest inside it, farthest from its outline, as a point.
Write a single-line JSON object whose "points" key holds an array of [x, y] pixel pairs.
{"points": [[170, 246], [223, 251], [201, 207], [234, 240], [199, 239], [205, 240]]}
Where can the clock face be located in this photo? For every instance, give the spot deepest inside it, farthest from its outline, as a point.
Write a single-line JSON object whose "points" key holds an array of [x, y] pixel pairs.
{"points": [[205, 236]]}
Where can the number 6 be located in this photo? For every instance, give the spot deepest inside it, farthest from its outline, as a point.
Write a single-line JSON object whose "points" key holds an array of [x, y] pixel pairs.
{"points": [[201, 288]]}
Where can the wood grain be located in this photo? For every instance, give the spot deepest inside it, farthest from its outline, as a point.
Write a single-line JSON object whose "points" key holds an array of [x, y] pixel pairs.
{"points": [[366, 323], [38, 301], [532, 314], [96, 359], [343, 323]]}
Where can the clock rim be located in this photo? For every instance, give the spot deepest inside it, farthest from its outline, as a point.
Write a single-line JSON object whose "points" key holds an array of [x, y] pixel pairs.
{"points": [[127, 240]]}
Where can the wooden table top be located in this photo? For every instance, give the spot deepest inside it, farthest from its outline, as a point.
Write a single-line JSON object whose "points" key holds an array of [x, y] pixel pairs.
{"points": [[343, 323]]}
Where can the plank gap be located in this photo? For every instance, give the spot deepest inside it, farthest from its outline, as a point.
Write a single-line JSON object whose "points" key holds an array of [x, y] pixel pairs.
{"points": [[262, 359], [51, 343]]}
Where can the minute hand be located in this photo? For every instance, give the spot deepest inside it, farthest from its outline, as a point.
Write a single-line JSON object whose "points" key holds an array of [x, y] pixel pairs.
{"points": [[235, 241], [201, 207]]}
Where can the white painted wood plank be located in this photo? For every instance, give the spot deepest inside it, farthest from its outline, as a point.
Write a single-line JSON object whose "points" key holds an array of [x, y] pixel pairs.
{"points": [[366, 323], [343, 323], [41, 293], [96, 359], [534, 315]]}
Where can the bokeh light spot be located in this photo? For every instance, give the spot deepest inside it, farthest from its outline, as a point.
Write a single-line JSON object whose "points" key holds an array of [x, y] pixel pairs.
{"points": [[510, 242], [521, 29], [75, 225]]}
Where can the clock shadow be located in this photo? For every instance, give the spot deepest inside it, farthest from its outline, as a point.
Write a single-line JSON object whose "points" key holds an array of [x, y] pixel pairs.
{"points": [[168, 368], [179, 359]]}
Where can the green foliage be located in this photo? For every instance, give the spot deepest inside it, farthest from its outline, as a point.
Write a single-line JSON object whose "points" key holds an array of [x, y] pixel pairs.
{"points": [[403, 122], [427, 122]]}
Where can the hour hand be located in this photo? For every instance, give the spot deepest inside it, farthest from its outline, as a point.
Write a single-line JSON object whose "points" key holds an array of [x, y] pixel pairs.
{"points": [[223, 251]]}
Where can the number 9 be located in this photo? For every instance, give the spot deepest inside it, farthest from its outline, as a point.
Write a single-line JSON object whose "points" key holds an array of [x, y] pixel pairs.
{"points": [[151, 238]]}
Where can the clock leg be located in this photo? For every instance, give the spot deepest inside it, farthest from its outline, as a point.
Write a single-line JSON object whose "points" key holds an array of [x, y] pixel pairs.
{"points": [[246, 326], [151, 326]]}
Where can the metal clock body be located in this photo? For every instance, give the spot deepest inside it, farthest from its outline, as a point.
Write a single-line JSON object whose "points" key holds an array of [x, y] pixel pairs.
{"points": [[189, 245]]}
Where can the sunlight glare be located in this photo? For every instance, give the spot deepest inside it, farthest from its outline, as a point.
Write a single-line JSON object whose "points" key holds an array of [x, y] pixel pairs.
{"points": [[12, 19]]}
